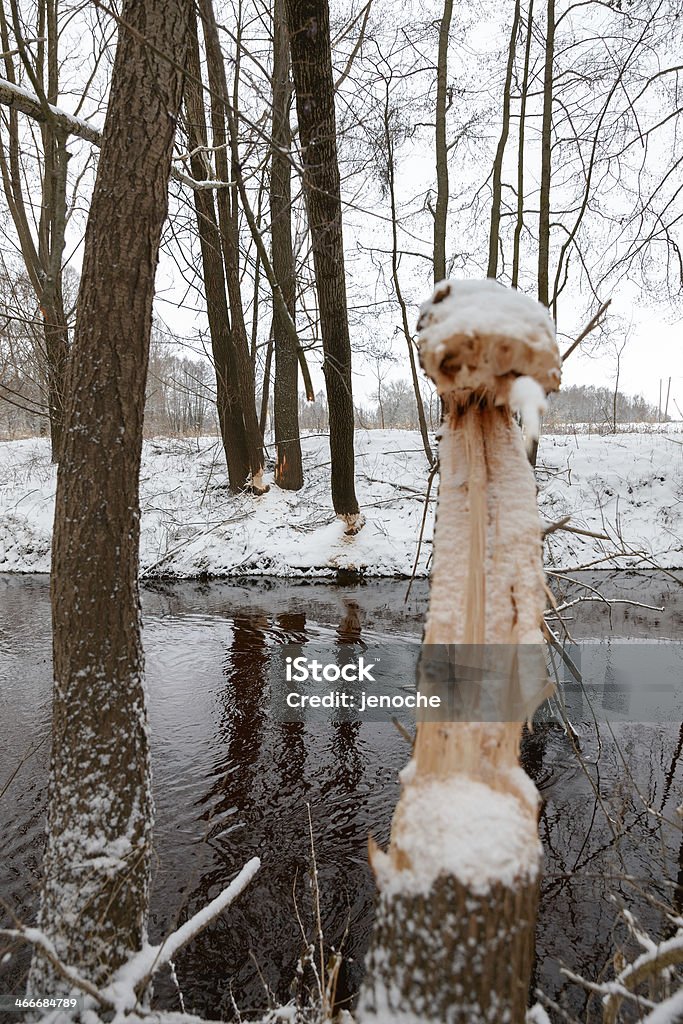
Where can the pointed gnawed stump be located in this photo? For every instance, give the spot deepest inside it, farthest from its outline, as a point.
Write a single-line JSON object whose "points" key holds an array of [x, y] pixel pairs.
{"points": [[458, 885]]}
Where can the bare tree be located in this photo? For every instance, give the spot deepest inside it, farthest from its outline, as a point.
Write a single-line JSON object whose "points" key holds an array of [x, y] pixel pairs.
{"points": [[228, 398], [224, 136], [546, 159], [42, 254], [309, 31], [519, 221], [97, 863], [288, 466], [497, 187], [441, 148]]}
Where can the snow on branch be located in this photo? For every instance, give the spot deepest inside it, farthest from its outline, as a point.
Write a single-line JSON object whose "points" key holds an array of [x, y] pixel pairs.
{"points": [[668, 1012], [657, 959], [137, 972], [122, 993], [28, 103]]}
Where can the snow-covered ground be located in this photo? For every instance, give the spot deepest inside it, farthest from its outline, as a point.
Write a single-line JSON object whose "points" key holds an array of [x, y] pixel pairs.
{"points": [[628, 487]]}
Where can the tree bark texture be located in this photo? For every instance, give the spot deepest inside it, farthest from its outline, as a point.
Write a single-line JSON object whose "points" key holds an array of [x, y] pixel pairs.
{"points": [[97, 862], [288, 467], [488, 952], [228, 400], [546, 155], [308, 22], [441, 211], [228, 223]]}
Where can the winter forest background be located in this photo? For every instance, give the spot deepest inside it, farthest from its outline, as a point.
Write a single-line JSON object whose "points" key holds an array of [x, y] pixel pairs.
{"points": [[431, 142]]}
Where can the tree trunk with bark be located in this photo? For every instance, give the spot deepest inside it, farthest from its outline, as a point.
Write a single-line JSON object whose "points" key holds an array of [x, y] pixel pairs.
{"points": [[441, 211], [288, 467], [497, 187], [519, 221], [228, 399], [97, 863], [454, 935], [546, 158], [228, 222], [308, 22]]}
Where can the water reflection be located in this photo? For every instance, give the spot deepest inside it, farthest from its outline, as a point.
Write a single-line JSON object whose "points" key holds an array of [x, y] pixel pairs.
{"points": [[231, 782]]}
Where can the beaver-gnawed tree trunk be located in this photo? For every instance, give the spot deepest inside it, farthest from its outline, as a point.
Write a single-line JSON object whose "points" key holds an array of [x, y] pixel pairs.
{"points": [[308, 22], [454, 936], [97, 862], [288, 467]]}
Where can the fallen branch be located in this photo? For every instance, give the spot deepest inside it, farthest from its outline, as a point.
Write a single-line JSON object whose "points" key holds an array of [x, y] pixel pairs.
{"points": [[136, 973], [606, 600], [562, 524]]}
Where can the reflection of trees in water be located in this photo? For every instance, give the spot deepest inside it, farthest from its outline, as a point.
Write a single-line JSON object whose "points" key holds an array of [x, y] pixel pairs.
{"points": [[608, 830], [263, 775]]}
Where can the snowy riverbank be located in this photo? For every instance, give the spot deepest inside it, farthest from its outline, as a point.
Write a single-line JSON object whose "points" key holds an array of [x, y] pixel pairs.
{"points": [[628, 487]]}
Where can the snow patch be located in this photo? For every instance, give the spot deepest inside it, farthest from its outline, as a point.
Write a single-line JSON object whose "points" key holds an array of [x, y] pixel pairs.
{"points": [[460, 826], [627, 484]]}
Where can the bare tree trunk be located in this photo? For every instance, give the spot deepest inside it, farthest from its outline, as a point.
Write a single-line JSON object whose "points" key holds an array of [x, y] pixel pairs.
{"points": [[228, 400], [546, 153], [309, 31], [97, 862], [265, 391], [43, 260], [497, 188], [288, 468], [229, 232], [519, 223], [441, 211], [391, 177]]}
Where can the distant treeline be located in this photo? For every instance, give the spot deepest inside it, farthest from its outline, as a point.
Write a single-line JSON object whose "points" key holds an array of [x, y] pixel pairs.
{"points": [[589, 404], [181, 397]]}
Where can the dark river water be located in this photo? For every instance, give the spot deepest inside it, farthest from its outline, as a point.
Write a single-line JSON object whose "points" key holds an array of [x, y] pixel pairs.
{"points": [[231, 781]]}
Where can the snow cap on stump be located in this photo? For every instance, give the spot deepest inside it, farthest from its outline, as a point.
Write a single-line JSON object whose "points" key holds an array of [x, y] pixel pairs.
{"points": [[480, 337]]}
